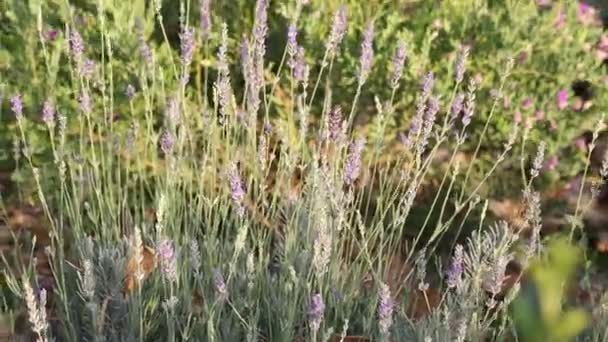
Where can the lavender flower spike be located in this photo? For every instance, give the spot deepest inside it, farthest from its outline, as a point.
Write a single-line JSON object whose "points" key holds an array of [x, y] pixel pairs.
{"points": [[460, 64], [292, 45], [427, 85], [367, 53], [168, 260], [17, 106], [85, 103], [456, 269], [77, 45], [353, 162], [166, 142], [205, 9], [338, 30], [237, 188], [399, 62], [457, 105], [220, 285], [48, 112], [188, 44], [385, 310], [316, 312]]}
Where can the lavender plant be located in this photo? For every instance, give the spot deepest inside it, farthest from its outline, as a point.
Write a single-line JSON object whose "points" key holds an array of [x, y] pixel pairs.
{"points": [[190, 197]]}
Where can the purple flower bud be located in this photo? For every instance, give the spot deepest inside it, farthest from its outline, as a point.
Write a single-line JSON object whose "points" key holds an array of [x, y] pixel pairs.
{"points": [[457, 105], [334, 124], [292, 45], [456, 269], [220, 286], [338, 29], [427, 85], [316, 312], [51, 35], [88, 68], [352, 167], [367, 53], [130, 92], [385, 310], [398, 63], [17, 106], [86, 104], [168, 260], [301, 70], [77, 45], [562, 99], [527, 103], [166, 142], [205, 9], [237, 188], [188, 44], [461, 64], [48, 112]]}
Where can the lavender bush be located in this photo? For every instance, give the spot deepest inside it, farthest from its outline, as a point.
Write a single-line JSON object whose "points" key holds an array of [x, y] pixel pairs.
{"points": [[210, 180]]}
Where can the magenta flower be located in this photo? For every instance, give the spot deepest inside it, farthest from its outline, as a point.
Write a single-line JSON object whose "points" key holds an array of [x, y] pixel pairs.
{"points": [[527, 103], [586, 14], [562, 99], [51, 35]]}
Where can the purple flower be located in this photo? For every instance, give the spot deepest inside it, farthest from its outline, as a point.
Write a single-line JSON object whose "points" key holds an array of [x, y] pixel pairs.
{"points": [[166, 142], [168, 259], [316, 312], [461, 64], [527, 103], [220, 285], [130, 92], [17, 106], [86, 104], [188, 44], [338, 29], [77, 45], [205, 9], [301, 70], [237, 188], [367, 53], [51, 35], [260, 30], [469, 108], [292, 44], [454, 273], [88, 68], [427, 84], [352, 167], [399, 62], [172, 112], [586, 13], [334, 124], [457, 105], [48, 112], [385, 310], [562, 99], [552, 163]]}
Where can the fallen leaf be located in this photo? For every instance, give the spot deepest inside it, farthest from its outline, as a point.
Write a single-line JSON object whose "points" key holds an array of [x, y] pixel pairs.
{"points": [[148, 265]]}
